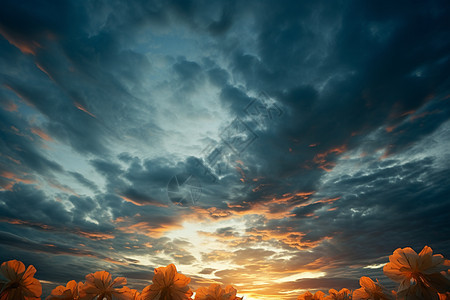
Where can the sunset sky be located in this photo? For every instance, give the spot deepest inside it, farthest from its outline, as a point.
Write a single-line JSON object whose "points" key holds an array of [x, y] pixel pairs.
{"points": [[278, 146]]}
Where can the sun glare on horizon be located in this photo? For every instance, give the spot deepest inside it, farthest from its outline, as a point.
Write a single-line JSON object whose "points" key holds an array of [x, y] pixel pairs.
{"points": [[219, 150]]}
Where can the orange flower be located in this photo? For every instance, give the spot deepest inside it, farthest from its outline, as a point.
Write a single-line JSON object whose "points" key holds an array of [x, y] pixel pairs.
{"points": [[21, 284], [418, 274], [371, 290], [215, 292], [68, 292], [135, 295], [343, 294], [319, 295], [168, 284], [101, 284]]}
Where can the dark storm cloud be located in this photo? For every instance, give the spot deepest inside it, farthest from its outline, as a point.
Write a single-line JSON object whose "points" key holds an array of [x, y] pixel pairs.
{"points": [[366, 83], [379, 212], [17, 149], [355, 78], [234, 98], [23, 243], [84, 181], [409, 204], [218, 76], [187, 70], [42, 94], [345, 77], [31, 203], [85, 74], [418, 125], [386, 205], [142, 182], [28, 207], [26, 22]]}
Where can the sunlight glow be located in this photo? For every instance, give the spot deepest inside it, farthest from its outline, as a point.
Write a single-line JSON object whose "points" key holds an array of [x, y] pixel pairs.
{"points": [[302, 275], [375, 266], [204, 244]]}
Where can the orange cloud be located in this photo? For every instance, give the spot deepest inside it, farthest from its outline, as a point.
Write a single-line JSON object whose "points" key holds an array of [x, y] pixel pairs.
{"points": [[210, 213], [41, 134], [290, 238], [261, 280], [82, 108], [327, 200], [40, 67], [289, 197], [26, 46], [11, 159], [293, 239], [240, 171], [390, 128], [10, 106], [27, 223], [90, 235], [387, 152], [272, 207], [254, 190], [19, 95], [424, 114], [13, 178], [95, 235], [327, 167], [321, 160], [127, 199], [409, 112], [150, 230]]}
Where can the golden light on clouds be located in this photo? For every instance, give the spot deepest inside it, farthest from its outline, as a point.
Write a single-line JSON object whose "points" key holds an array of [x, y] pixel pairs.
{"points": [[279, 147], [230, 258]]}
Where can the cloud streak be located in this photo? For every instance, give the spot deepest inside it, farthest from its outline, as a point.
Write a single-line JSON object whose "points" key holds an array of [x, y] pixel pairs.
{"points": [[316, 135]]}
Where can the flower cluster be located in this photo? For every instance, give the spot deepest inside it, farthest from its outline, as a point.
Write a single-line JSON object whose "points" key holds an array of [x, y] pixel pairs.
{"points": [[167, 284], [419, 277], [21, 284]]}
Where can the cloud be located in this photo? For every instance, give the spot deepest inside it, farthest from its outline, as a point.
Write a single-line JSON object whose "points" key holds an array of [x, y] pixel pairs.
{"points": [[314, 136], [84, 181]]}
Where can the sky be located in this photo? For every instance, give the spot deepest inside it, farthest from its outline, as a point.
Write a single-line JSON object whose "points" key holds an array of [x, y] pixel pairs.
{"points": [[277, 146]]}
